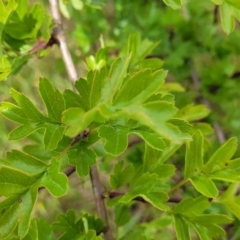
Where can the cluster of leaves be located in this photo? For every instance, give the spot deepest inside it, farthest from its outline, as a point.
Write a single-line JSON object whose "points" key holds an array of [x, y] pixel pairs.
{"points": [[126, 97]]}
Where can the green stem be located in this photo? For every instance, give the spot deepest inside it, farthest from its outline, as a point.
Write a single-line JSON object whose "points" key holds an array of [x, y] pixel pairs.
{"points": [[182, 182]]}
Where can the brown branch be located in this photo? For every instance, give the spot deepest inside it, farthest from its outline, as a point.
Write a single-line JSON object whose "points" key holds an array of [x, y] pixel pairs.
{"points": [[70, 171], [99, 199], [72, 74], [59, 35]]}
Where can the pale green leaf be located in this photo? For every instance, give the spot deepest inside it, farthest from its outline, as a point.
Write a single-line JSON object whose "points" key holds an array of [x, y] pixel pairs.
{"points": [[53, 100], [121, 175], [221, 156], [194, 155], [114, 81], [157, 199], [82, 158], [192, 113], [115, 137], [139, 87], [181, 227], [205, 186], [55, 181], [191, 206], [227, 19], [175, 4]]}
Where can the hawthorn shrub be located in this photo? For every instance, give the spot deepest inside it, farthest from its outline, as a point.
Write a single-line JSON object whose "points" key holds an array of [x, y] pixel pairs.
{"points": [[152, 163]]}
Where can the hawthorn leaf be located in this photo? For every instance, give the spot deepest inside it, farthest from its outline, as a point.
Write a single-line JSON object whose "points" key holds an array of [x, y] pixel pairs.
{"points": [[77, 120], [163, 170], [114, 81], [31, 119], [155, 115], [234, 3], [90, 89], [192, 113], [229, 172], [191, 206], [17, 210], [139, 87], [24, 162], [122, 215], [121, 175], [174, 4], [32, 232], [53, 100], [222, 155], [5, 67], [6, 10], [157, 199], [55, 181], [141, 186], [227, 19], [45, 231], [151, 138], [25, 24], [181, 227], [24, 130], [139, 49], [218, 2], [194, 155], [14, 181], [151, 157], [115, 137], [205, 186], [82, 157], [72, 99]]}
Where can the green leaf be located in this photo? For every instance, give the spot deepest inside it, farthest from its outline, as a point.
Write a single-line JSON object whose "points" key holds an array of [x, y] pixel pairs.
{"points": [[77, 120], [6, 10], [90, 89], [115, 137], [32, 232], [122, 214], [205, 186], [194, 155], [17, 210], [121, 176], [181, 227], [156, 199], [139, 87], [13, 181], [5, 67], [192, 113], [114, 81], [53, 100], [31, 119], [175, 4], [139, 49], [82, 158], [151, 138], [221, 156], [227, 19], [191, 206], [141, 186], [55, 181], [24, 162], [23, 24], [218, 2], [234, 3], [155, 115]]}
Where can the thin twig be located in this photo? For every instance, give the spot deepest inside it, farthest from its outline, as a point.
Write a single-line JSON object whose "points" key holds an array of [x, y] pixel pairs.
{"points": [[59, 35], [72, 73], [197, 85], [99, 199]]}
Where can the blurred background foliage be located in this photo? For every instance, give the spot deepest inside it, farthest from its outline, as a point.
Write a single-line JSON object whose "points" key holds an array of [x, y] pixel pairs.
{"points": [[194, 50]]}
